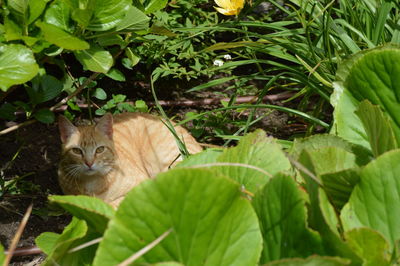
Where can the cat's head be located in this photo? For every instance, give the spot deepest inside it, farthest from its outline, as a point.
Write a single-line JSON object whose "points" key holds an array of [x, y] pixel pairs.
{"points": [[87, 150]]}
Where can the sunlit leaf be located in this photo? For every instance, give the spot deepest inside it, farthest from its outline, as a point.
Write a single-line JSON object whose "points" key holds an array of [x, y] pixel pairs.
{"points": [[17, 65], [95, 59], [62, 38], [212, 224]]}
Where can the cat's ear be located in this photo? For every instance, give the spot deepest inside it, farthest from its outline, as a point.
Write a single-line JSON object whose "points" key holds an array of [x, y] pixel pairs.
{"points": [[105, 125], [67, 129]]}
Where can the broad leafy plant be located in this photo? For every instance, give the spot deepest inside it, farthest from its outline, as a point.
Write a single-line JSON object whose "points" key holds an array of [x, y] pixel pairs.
{"points": [[326, 200]]}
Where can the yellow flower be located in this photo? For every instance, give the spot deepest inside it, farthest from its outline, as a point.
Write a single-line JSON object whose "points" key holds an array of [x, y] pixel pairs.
{"points": [[229, 7]]}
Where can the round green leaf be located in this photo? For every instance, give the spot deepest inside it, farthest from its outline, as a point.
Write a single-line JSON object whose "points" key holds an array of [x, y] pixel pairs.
{"points": [[375, 199], [115, 74], [17, 65], [59, 37], [95, 59], [100, 94], [212, 224]]}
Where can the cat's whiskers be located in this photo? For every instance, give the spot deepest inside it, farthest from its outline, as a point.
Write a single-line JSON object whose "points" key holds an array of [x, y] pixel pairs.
{"points": [[73, 171]]}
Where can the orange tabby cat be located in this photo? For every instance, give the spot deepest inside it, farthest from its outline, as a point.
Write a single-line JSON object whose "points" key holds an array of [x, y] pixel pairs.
{"points": [[107, 159]]}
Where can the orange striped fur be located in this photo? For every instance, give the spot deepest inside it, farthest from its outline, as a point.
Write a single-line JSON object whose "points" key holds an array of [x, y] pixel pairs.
{"points": [[107, 159]]}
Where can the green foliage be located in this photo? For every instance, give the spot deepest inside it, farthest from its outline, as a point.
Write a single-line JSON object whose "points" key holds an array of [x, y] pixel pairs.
{"points": [[35, 32], [203, 207], [174, 200], [117, 104], [252, 204], [369, 75], [17, 65]]}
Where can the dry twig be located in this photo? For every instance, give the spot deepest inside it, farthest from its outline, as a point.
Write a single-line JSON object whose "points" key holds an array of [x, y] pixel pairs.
{"points": [[17, 235]]}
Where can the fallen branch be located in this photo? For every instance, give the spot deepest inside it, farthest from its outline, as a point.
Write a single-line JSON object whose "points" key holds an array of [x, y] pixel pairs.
{"points": [[25, 251]]}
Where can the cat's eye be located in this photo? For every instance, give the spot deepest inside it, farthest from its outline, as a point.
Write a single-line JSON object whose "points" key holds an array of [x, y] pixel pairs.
{"points": [[77, 151], [100, 149]]}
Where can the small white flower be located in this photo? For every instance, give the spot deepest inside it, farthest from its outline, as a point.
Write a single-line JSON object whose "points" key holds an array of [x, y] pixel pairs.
{"points": [[227, 57], [218, 62]]}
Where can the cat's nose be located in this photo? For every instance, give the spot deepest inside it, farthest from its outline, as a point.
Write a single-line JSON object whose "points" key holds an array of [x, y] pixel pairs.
{"points": [[89, 164]]}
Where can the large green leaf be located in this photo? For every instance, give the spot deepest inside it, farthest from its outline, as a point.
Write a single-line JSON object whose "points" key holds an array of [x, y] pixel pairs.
{"points": [[375, 199], [95, 59], [212, 224], [99, 15], [378, 128], [59, 15], [17, 65], [373, 75], [281, 211], [59, 37], [93, 210], [369, 245]]}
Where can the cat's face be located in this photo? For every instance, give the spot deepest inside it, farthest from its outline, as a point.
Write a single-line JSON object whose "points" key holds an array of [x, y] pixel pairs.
{"points": [[87, 150]]}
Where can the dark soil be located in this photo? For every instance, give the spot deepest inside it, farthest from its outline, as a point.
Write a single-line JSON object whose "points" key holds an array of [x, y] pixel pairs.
{"points": [[38, 148]]}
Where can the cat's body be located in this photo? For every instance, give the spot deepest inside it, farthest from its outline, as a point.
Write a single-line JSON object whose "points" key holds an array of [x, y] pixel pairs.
{"points": [[108, 159]]}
